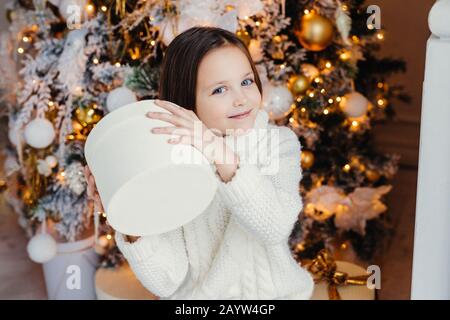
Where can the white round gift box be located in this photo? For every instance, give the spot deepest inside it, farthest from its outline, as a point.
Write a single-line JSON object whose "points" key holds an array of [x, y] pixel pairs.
{"points": [[147, 186]]}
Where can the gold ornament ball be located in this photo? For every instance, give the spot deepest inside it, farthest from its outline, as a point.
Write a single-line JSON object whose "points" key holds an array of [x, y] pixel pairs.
{"points": [[88, 115], [298, 84], [372, 175], [244, 36], [3, 185], [307, 159], [314, 32]]}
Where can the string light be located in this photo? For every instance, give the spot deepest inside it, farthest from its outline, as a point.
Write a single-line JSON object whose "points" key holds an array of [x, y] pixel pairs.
{"points": [[311, 94], [20, 50], [95, 61], [306, 11], [344, 7], [346, 168], [282, 66], [317, 80], [152, 42], [103, 8], [299, 99], [344, 56], [370, 26], [117, 64], [108, 236], [291, 120], [330, 101], [328, 65], [104, 214], [51, 104], [355, 124], [322, 90], [380, 35], [338, 99], [257, 23], [303, 109], [326, 111], [380, 85], [90, 8], [26, 39], [382, 102]]}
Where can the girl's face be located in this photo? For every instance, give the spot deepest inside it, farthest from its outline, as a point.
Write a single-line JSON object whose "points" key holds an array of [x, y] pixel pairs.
{"points": [[227, 95]]}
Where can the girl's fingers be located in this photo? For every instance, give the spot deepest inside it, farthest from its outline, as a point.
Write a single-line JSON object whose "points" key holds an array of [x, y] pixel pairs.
{"points": [[173, 119], [172, 130]]}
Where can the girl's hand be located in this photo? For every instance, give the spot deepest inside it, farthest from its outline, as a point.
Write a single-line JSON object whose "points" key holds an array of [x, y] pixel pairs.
{"points": [[92, 191], [189, 129]]}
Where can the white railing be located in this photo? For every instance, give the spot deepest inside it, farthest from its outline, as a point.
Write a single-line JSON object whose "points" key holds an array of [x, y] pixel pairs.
{"points": [[431, 263]]}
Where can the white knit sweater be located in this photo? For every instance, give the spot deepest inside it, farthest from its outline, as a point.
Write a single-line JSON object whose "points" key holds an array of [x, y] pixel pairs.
{"points": [[238, 247]]}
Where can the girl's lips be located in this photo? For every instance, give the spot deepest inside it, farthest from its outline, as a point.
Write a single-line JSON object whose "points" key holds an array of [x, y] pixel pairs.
{"points": [[241, 115]]}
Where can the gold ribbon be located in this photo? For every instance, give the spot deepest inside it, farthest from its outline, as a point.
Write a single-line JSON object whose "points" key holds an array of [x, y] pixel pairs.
{"points": [[324, 268]]}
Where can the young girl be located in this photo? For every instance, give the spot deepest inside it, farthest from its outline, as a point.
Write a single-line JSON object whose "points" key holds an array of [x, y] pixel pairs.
{"points": [[238, 247]]}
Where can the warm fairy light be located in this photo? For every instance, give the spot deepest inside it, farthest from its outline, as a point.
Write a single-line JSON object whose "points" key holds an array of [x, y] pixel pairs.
{"points": [[345, 56], [282, 66], [277, 39], [303, 109], [108, 236], [311, 94], [26, 39], [95, 60], [322, 90], [317, 80], [380, 85], [103, 8], [152, 42], [355, 124], [152, 18], [245, 17], [338, 99], [330, 101], [346, 168], [104, 214], [328, 64], [370, 26], [381, 102], [34, 81], [344, 7], [299, 99], [90, 8], [326, 111], [306, 11], [117, 64], [291, 120], [257, 23], [355, 39], [51, 103], [380, 35], [20, 50]]}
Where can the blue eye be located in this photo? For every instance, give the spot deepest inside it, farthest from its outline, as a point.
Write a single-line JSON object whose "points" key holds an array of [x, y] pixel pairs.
{"points": [[250, 81], [217, 90]]}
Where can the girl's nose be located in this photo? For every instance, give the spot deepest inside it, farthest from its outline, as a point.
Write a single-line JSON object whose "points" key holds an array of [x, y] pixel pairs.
{"points": [[240, 100]]}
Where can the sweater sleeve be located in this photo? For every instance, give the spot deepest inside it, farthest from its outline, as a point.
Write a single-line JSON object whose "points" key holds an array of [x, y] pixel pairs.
{"points": [[267, 205], [159, 261]]}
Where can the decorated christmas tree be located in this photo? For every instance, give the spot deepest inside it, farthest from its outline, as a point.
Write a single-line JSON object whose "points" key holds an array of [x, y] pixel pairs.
{"points": [[67, 63]]}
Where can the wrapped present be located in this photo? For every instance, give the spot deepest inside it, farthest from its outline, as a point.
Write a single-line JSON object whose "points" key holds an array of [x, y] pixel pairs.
{"points": [[120, 284], [336, 280]]}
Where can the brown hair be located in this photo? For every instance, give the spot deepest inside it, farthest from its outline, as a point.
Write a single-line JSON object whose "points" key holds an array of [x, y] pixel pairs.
{"points": [[178, 79]]}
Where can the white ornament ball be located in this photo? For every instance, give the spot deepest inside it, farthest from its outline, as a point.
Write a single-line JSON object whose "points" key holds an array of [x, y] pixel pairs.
{"points": [[41, 248], [309, 70], [51, 161], [277, 101], [39, 133], [14, 135], [354, 104], [69, 8], [119, 97]]}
